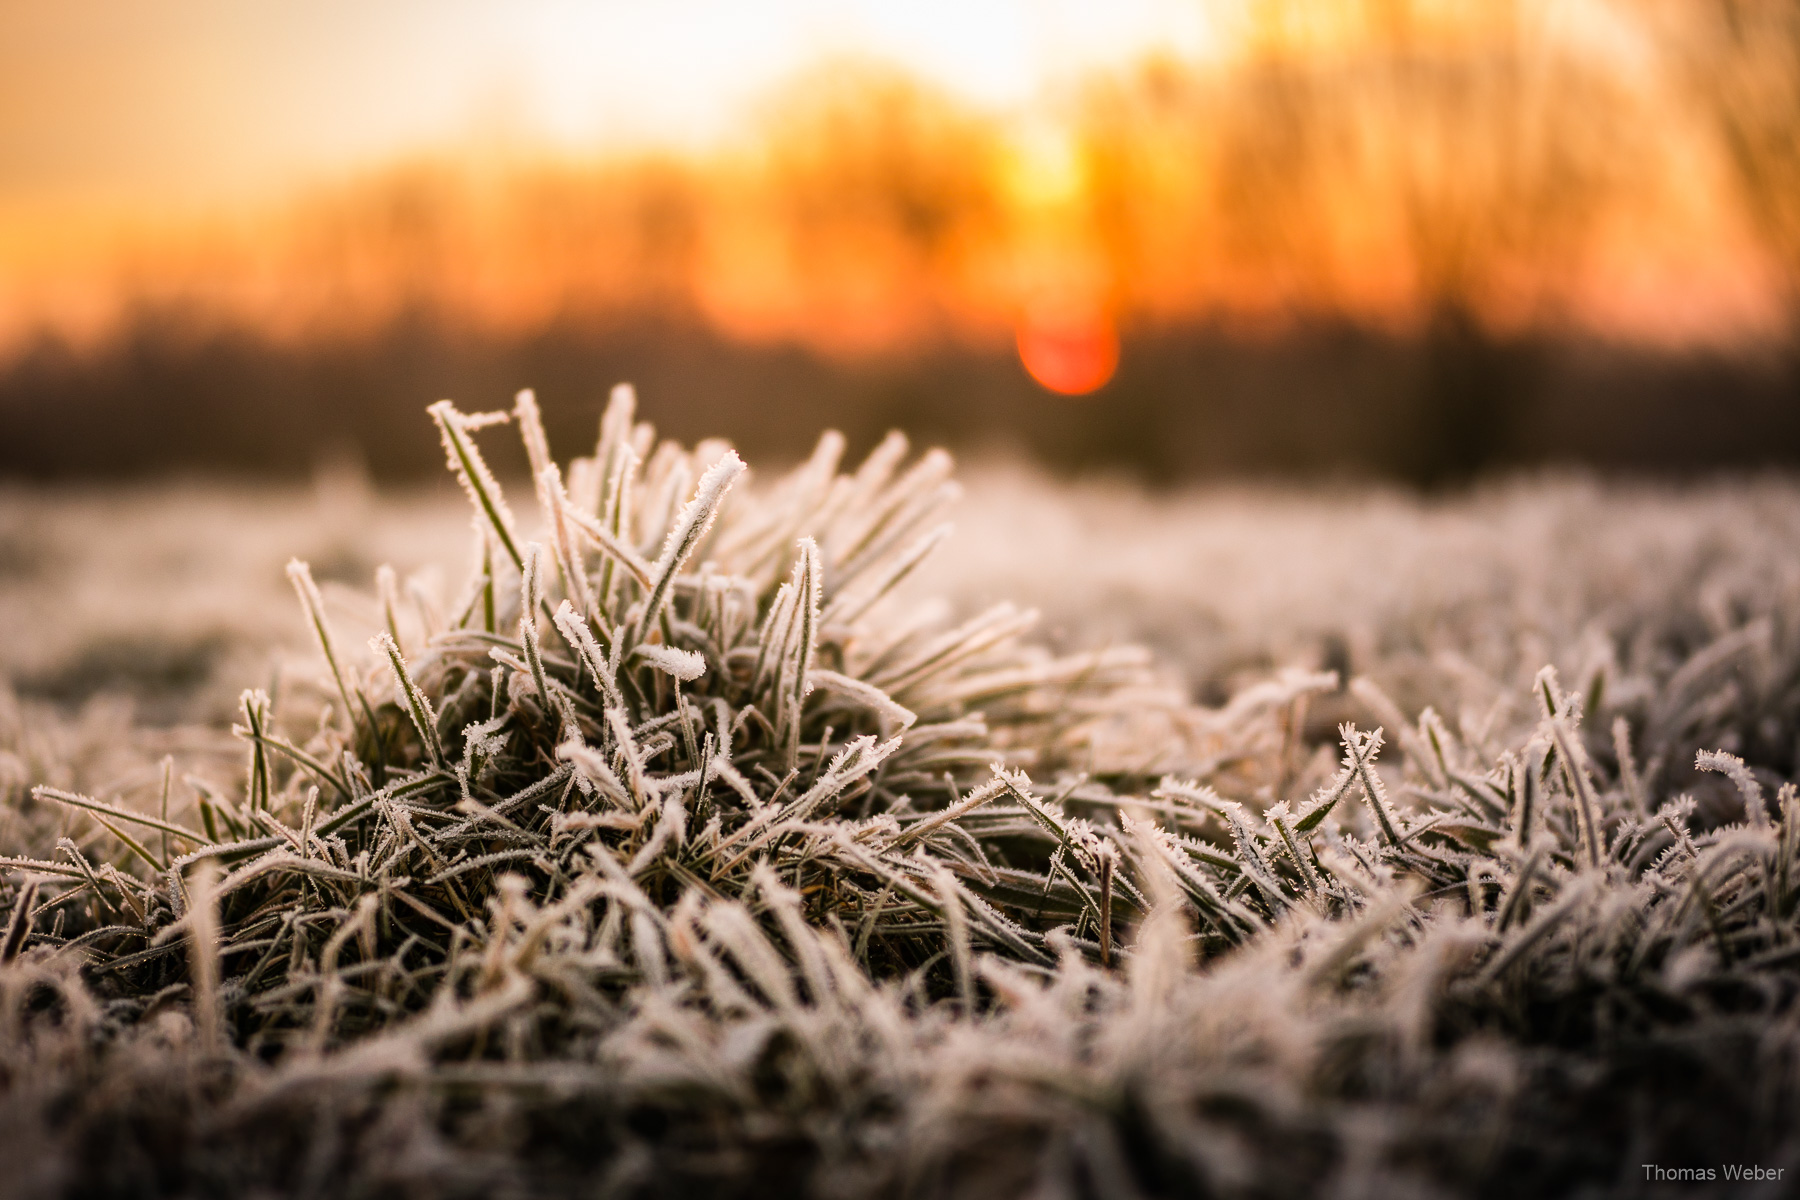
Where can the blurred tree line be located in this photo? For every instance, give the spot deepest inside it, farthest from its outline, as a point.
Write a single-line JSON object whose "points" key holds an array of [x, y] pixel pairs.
{"points": [[1401, 237]]}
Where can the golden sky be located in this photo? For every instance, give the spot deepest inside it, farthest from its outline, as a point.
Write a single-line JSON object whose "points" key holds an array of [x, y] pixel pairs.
{"points": [[200, 101], [858, 174]]}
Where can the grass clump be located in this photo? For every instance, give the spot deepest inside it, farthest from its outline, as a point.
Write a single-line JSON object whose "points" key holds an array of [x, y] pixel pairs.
{"points": [[671, 702]]}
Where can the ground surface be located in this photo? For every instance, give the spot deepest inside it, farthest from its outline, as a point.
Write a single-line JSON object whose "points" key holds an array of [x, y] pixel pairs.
{"points": [[132, 619], [174, 596]]}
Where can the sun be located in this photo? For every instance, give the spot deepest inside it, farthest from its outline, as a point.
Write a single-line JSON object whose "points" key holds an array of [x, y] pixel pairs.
{"points": [[1070, 352]]}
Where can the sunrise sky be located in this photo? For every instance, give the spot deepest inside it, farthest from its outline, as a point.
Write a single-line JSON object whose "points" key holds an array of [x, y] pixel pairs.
{"points": [[983, 166], [201, 101]]}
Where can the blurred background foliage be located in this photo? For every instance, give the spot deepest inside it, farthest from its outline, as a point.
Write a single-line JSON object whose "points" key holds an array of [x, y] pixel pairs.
{"points": [[1398, 238]]}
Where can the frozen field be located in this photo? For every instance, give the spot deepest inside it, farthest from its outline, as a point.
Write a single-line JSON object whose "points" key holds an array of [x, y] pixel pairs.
{"points": [[1517, 1008], [174, 596]]}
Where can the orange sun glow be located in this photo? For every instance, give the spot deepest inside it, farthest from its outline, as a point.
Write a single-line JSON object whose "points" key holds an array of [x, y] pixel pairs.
{"points": [[1071, 354]]}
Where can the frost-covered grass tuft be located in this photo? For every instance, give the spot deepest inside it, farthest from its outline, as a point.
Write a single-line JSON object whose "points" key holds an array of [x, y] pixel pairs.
{"points": [[684, 851], [671, 705]]}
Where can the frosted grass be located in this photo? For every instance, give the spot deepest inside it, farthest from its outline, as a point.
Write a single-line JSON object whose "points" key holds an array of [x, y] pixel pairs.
{"points": [[685, 811]]}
